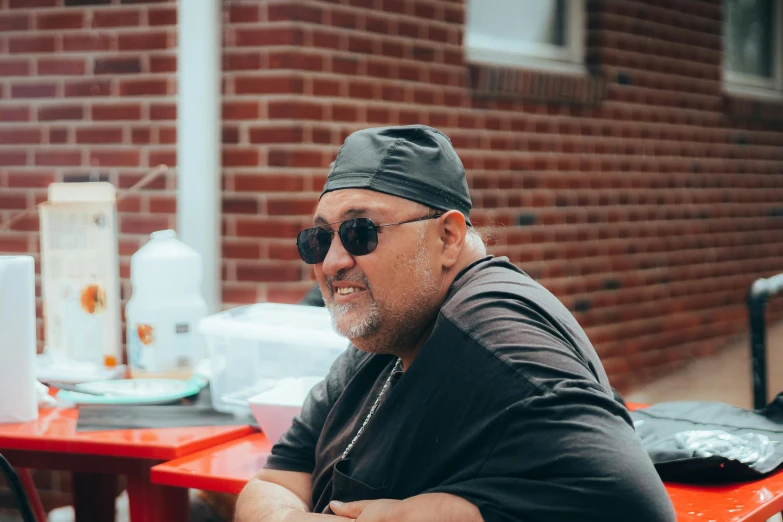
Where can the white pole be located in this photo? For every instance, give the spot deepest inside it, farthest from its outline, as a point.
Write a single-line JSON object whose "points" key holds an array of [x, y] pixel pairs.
{"points": [[198, 137]]}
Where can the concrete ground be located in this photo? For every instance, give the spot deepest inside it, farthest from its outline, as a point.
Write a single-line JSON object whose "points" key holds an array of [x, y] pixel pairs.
{"points": [[724, 377]]}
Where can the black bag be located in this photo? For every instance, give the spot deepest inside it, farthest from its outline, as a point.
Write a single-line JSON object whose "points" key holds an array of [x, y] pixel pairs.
{"points": [[712, 442]]}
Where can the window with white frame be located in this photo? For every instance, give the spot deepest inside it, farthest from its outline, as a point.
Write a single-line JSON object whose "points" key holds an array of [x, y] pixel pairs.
{"points": [[538, 34], [753, 47]]}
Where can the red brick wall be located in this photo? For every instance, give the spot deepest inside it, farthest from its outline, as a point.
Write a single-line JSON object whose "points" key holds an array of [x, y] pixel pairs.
{"points": [[87, 90], [642, 196]]}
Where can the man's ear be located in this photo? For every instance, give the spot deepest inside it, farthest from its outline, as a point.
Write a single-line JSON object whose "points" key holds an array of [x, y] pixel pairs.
{"points": [[452, 236]]}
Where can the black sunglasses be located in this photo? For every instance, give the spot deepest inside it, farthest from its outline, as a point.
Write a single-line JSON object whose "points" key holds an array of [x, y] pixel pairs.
{"points": [[359, 237]]}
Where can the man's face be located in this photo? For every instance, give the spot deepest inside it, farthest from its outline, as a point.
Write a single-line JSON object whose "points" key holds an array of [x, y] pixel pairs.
{"points": [[384, 300]]}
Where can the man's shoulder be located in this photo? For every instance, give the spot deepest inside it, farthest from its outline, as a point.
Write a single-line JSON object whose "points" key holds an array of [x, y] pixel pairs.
{"points": [[346, 366], [494, 289], [520, 324]]}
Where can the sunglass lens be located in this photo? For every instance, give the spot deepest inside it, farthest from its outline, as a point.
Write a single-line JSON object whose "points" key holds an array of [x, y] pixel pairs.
{"points": [[313, 244], [359, 236]]}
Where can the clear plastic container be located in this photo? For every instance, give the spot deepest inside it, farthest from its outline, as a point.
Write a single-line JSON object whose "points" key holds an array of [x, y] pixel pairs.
{"points": [[163, 314], [256, 347]]}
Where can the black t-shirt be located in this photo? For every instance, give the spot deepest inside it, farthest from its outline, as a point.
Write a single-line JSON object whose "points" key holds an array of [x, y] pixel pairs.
{"points": [[505, 405]]}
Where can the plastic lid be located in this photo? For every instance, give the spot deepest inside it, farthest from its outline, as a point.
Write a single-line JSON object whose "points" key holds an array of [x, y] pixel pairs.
{"points": [[274, 322], [164, 234]]}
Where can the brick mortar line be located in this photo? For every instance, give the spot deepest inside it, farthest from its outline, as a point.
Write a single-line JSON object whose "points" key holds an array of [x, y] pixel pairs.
{"points": [[375, 11], [116, 78], [326, 52], [633, 323], [701, 275], [628, 36], [649, 300], [679, 61], [131, 97], [329, 75], [647, 319], [524, 248], [534, 118], [666, 28], [86, 53], [347, 31], [579, 139], [674, 13], [70, 9], [599, 278], [643, 73], [650, 90], [121, 30], [603, 211], [487, 110], [494, 212], [469, 111], [156, 147], [646, 73], [655, 109], [637, 322], [600, 174], [633, 190]]}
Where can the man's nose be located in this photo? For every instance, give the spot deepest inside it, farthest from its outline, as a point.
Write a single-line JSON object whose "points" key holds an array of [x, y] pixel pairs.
{"points": [[337, 258]]}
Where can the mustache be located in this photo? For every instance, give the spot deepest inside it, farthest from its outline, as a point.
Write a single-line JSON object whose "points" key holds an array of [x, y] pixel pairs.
{"points": [[350, 277]]}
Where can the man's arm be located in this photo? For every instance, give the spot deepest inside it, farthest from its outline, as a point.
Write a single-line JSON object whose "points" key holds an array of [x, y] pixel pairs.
{"points": [[278, 496], [429, 507], [281, 491]]}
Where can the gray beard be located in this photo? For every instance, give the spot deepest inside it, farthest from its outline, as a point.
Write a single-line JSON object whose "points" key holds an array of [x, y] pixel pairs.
{"points": [[368, 325], [397, 329]]}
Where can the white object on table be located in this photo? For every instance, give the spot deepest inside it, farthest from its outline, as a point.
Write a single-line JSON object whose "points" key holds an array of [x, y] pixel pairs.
{"points": [[18, 394], [51, 368], [276, 408], [252, 348]]}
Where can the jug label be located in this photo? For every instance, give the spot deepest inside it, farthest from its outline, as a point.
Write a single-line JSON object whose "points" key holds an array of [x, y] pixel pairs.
{"points": [[141, 339], [160, 348]]}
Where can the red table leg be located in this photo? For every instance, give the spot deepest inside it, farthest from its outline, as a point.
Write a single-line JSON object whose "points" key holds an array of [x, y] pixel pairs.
{"points": [[93, 496], [153, 503], [32, 494]]}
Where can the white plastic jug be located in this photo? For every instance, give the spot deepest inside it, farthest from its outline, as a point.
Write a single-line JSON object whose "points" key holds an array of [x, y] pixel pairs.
{"points": [[163, 313]]}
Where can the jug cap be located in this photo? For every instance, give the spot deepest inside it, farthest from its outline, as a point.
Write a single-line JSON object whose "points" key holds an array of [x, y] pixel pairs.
{"points": [[164, 234]]}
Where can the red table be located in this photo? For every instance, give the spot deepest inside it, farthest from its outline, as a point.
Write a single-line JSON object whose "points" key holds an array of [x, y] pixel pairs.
{"points": [[225, 468], [746, 502], [228, 467], [96, 458]]}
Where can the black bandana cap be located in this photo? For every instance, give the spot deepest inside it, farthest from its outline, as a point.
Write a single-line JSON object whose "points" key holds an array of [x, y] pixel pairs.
{"points": [[415, 162]]}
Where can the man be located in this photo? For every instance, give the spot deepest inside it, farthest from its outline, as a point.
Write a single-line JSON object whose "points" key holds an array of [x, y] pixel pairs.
{"points": [[469, 392]]}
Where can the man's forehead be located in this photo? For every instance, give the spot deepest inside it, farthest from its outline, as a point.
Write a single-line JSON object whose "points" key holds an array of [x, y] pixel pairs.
{"points": [[350, 203]]}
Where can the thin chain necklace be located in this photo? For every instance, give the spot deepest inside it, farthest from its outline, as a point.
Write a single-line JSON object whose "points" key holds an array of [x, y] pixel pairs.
{"points": [[397, 366]]}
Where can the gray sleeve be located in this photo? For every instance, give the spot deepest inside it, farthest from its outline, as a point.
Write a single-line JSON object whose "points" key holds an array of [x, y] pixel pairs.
{"points": [[295, 451], [567, 454]]}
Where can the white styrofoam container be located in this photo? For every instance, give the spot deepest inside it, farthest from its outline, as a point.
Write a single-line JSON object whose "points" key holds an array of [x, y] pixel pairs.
{"points": [[276, 408], [254, 348]]}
